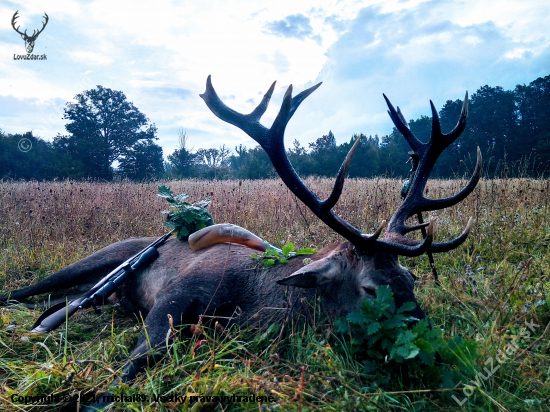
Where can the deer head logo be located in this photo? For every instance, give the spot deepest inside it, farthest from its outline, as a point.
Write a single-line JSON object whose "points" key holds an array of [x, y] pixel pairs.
{"points": [[29, 40]]}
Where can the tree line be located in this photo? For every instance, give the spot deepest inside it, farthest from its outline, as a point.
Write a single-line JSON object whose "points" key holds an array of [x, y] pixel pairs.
{"points": [[108, 137]]}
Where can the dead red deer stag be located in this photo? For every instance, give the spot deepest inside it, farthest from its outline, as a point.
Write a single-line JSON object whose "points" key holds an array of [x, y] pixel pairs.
{"points": [[221, 277]]}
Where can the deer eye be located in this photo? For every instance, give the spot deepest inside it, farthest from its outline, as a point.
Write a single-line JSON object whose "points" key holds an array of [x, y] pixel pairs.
{"points": [[369, 291]]}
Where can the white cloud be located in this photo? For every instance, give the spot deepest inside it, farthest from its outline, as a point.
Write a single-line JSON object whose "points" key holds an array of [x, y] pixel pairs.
{"points": [[159, 54], [91, 58]]}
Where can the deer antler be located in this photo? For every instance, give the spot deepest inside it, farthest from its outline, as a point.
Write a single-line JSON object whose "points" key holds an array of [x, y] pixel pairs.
{"points": [[15, 16], [272, 141], [427, 154], [34, 33], [43, 26]]}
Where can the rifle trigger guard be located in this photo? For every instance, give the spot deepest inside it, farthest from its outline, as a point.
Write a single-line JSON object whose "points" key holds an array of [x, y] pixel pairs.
{"points": [[96, 309]]}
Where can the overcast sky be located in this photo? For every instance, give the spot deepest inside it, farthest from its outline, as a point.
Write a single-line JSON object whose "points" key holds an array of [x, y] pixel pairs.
{"points": [[160, 54]]}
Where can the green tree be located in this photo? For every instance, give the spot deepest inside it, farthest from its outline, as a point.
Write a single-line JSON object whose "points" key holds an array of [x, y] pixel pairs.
{"points": [[214, 163], [103, 127], [143, 161], [300, 159], [325, 157], [25, 156], [366, 161], [533, 104], [86, 156], [256, 165], [394, 155], [183, 161], [238, 162], [492, 125]]}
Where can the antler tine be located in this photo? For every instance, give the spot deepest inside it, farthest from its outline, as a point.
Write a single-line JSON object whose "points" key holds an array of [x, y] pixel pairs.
{"points": [[250, 125], [402, 125], [437, 204], [277, 131], [43, 26], [300, 97], [288, 107], [408, 229], [259, 111], [330, 201], [400, 245], [456, 242], [378, 231], [400, 114], [15, 16], [443, 140], [461, 124], [436, 124]]}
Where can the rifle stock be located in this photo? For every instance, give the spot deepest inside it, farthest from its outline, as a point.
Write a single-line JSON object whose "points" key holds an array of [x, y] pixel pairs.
{"points": [[56, 316]]}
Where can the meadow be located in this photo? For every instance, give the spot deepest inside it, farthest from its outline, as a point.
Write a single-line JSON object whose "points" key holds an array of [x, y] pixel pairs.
{"points": [[490, 286]]}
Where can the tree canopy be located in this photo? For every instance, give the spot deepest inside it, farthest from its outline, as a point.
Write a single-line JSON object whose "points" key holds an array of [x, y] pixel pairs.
{"points": [[105, 128], [108, 136]]}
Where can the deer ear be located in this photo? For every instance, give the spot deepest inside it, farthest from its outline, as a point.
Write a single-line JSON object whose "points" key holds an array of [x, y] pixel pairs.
{"points": [[318, 273]]}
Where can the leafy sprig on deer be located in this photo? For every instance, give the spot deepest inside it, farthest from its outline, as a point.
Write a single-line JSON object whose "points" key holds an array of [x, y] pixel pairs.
{"points": [[273, 256], [184, 217]]}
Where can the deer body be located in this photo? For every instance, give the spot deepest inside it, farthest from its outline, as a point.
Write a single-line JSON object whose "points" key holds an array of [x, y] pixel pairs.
{"points": [[225, 282]]}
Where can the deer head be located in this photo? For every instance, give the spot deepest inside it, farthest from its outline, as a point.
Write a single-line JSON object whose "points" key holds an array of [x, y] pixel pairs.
{"points": [[377, 250], [29, 40]]}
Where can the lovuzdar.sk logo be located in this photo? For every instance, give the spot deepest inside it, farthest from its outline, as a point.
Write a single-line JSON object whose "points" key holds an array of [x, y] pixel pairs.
{"points": [[29, 40]]}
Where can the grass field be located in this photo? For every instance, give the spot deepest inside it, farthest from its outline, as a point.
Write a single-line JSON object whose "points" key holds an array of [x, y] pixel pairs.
{"points": [[490, 286]]}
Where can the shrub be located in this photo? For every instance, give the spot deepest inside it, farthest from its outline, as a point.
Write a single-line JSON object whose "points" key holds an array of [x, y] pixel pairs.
{"points": [[395, 347]]}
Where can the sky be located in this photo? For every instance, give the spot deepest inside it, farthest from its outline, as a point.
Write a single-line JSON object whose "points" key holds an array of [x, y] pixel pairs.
{"points": [[160, 54]]}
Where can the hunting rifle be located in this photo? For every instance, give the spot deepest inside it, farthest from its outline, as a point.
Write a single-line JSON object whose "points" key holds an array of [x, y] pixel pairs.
{"points": [[57, 314]]}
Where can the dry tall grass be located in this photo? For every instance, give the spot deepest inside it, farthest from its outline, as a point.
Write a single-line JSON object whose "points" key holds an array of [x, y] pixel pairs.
{"points": [[63, 220], [491, 284]]}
